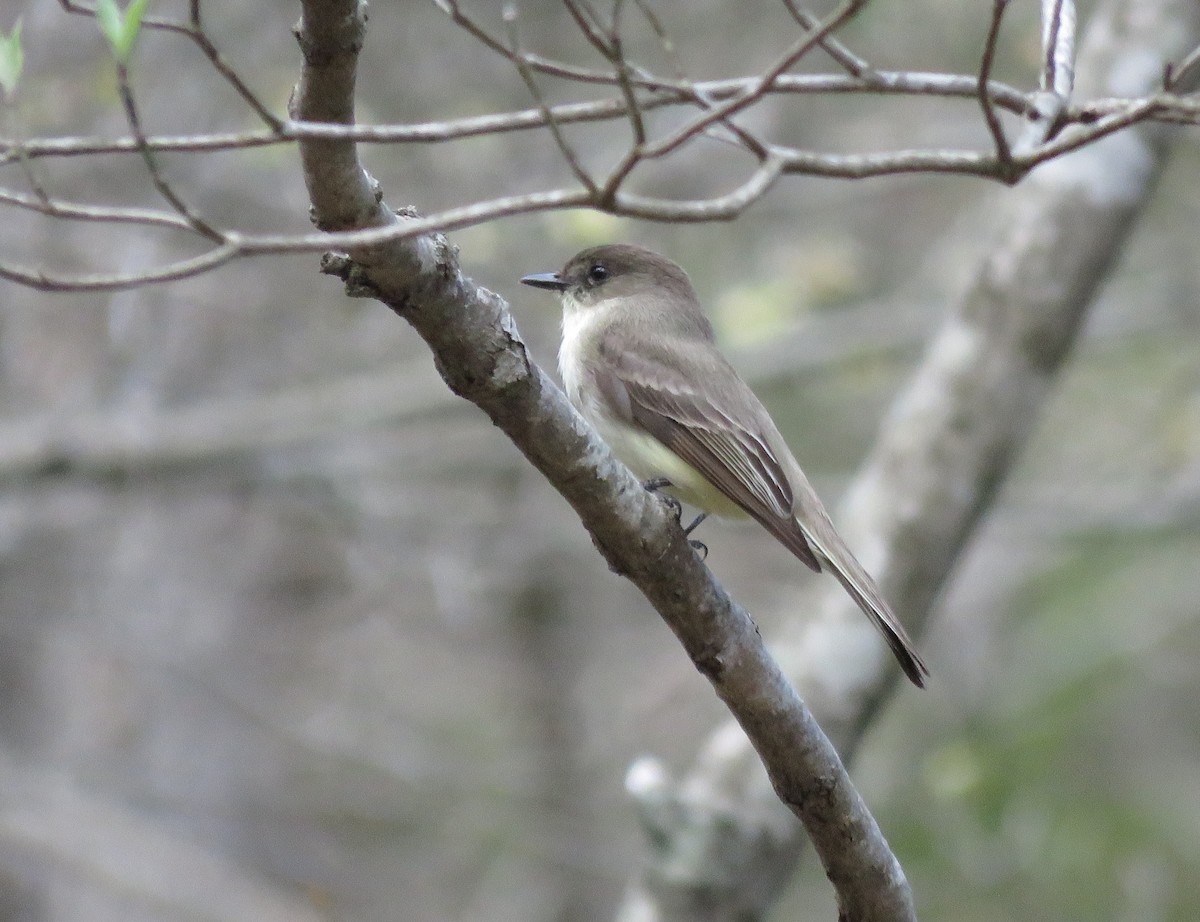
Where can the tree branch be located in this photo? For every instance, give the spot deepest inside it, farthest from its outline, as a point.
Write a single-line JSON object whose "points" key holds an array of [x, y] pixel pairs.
{"points": [[481, 357], [679, 91], [1000, 141], [945, 447]]}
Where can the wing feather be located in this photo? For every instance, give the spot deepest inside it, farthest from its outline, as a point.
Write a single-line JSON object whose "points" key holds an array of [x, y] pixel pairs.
{"points": [[727, 437]]}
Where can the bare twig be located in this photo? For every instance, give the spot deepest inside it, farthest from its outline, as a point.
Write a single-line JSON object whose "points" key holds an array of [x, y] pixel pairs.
{"points": [[42, 280], [855, 66], [731, 131], [197, 34], [616, 54], [589, 24], [8, 117], [160, 183], [625, 73], [1058, 48], [560, 141], [194, 30], [889, 82], [664, 40], [734, 133], [1003, 151], [721, 208], [1057, 77], [535, 61], [761, 84], [57, 208]]}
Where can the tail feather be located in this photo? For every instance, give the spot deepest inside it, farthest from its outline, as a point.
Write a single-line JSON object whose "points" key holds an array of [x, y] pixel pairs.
{"points": [[832, 551], [866, 594], [822, 548]]}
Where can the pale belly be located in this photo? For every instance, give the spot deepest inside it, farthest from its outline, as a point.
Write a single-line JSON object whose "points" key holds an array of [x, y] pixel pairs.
{"points": [[649, 458], [643, 454]]}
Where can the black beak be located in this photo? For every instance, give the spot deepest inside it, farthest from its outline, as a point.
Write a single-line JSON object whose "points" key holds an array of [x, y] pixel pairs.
{"points": [[545, 280]]}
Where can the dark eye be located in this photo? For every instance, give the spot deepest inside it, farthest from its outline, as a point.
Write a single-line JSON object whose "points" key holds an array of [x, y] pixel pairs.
{"points": [[597, 274]]}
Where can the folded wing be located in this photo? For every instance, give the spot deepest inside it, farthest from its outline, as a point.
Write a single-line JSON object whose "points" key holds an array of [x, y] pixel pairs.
{"points": [[727, 436]]}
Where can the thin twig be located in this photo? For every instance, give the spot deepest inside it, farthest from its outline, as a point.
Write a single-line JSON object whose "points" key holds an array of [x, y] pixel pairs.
{"points": [[721, 208], [560, 140], [761, 84], [1003, 151], [855, 66], [156, 177], [9, 117], [737, 135], [625, 77], [637, 124], [42, 280], [626, 72], [1058, 47], [1142, 110], [664, 39], [1175, 76], [194, 31], [535, 61], [56, 208], [680, 92], [221, 66], [589, 24]]}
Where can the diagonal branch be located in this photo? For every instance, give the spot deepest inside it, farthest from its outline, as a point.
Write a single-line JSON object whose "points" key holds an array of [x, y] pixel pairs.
{"points": [[945, 448], [761, 84], [480, 355], [1003, 150], [1058, 48], [194, 30], [854, 65], [556, 132], [164, 188]]}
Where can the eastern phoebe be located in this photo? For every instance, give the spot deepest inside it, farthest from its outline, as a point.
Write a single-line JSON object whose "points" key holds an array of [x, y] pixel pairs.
{"points": [[639, 360]]}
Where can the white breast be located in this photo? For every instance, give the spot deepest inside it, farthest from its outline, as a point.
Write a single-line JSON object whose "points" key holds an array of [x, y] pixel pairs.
{"points": [[645, 455], [577, 327]]}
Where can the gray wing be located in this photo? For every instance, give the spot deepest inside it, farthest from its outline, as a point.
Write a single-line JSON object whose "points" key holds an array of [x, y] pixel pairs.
{"points": [[729, 439]]}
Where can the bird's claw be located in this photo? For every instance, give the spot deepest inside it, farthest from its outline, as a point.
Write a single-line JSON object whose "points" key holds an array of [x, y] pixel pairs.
{"points": [[656, 486], [698, 546]]}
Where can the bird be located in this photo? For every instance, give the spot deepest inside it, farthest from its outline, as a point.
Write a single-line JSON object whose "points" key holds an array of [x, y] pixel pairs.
{"points": [[639, 360]]}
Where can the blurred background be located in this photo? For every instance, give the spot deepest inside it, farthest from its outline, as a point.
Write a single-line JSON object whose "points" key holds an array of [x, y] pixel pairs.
{"points": [[321, 645]]}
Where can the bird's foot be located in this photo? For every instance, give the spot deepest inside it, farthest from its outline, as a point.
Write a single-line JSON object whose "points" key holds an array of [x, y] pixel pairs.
{"points": [[696, 521], [698, 546], [656, 486]]}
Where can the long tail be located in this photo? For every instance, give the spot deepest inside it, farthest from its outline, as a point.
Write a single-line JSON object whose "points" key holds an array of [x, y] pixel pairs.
{"points": [[814, 540], [865, 593]]}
